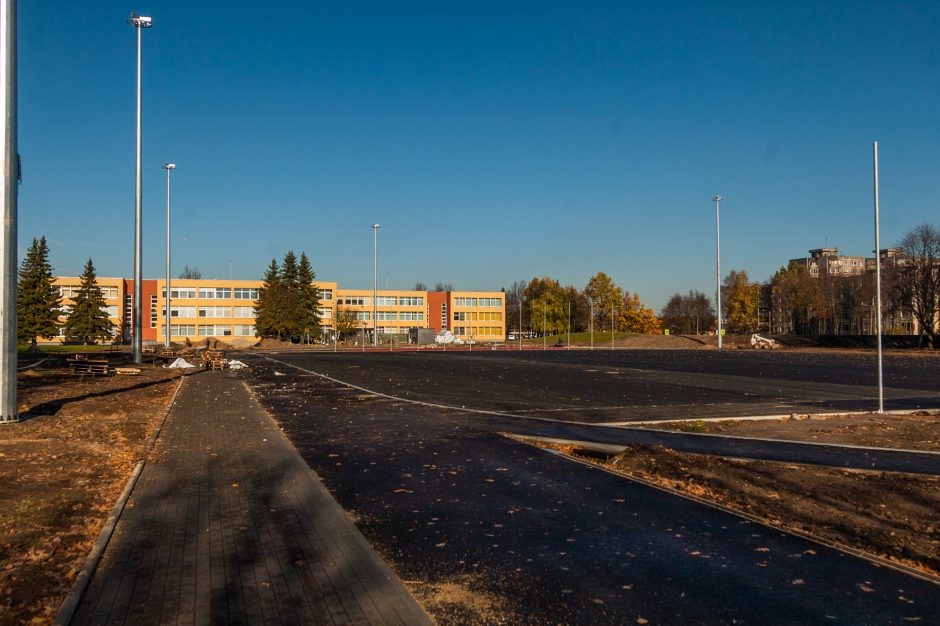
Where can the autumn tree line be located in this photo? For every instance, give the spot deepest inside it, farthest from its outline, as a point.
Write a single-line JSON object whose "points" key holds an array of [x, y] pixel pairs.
{"points": [[545, 307], [795, 301]]}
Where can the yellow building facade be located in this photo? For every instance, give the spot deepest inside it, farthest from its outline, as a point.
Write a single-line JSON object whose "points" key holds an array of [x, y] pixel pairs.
{"points": [[210, 308]]}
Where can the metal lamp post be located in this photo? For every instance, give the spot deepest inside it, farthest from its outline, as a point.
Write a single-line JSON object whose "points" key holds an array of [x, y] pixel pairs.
{"points": [[717, 201], [139, 23], [9, 166], [166, 324], [881, 390], [375, 265]]}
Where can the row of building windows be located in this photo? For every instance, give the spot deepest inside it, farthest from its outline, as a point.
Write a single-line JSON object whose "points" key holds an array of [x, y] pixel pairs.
{"points": [[478, 331], [212, 311], [212, 293], [212, 330], [390, 316], [487, 302], [407, 316], [482, 316], [381, 301], [70, 291]]}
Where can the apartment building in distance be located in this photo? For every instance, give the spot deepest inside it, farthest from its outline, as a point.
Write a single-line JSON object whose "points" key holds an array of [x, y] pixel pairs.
{"points": [[211, 308]]}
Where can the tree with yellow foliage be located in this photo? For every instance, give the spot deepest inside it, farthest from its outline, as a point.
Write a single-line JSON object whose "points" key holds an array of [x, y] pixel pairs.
{"points": [[635, 317], [741, 299]]}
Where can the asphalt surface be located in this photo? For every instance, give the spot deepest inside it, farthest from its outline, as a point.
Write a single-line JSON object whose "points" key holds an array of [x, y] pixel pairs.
{"points": [[444, 497]]}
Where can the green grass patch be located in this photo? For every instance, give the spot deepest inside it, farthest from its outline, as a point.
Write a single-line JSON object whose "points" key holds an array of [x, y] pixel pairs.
{"points": [[24, 350]]}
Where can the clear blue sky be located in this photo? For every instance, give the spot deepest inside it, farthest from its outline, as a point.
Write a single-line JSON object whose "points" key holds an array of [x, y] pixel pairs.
{"points": [[493, 141]]}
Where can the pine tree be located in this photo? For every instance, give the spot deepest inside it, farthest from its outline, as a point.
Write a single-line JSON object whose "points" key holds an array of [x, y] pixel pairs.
{"points": [[308, 296], [88, 322], [266, 320], [37, 299]]}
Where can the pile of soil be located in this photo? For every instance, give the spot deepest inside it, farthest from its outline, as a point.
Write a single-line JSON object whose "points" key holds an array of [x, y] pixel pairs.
{"points": [[888, 514], [61, 470], [917, 431]]}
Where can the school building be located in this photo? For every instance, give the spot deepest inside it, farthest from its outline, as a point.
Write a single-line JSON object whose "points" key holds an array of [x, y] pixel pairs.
{"points": [[225, 309]]}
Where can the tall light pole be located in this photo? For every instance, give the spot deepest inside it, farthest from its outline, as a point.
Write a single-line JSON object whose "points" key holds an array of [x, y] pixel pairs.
{"points": [[881, 390], [375, 266], [166, 324], [139, 23], [569, 325], [520, 323], [9, 166], [717, 201], [591, 321]]}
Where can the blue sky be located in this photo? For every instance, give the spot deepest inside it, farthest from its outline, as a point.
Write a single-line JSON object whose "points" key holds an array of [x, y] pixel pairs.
{"points": [[493, 141]]}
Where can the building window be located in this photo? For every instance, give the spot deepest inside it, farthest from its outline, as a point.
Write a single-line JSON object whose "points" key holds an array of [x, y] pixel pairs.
{"points": [[354, 301], [411, 315], [214, 311], [214, 330], [244, 311], [182, 330], [325, 294], [245, 293], [183, 311], [411, 301], [362, 315], [386, 315], [244, 330], [111, 310], [325, 313], [386, 301], [215, 293], [183, 293], [153, 311]]}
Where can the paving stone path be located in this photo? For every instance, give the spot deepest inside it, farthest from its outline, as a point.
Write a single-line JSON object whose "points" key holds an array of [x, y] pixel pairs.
{"points": [[227, 524]]}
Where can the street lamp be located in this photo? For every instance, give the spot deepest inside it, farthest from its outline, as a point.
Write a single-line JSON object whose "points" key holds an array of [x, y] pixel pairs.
{"points": [[717, 201], [166, 323], [139, 23], [375, 265], [9, 171], [881, 389]]}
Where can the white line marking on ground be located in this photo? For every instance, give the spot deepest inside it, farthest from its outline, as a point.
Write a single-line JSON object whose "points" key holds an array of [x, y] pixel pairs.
{"points": [[622, 425]]}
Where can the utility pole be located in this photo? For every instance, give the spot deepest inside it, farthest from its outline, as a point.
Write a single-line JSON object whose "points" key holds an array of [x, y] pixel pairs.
{"points": [[9, 165]]}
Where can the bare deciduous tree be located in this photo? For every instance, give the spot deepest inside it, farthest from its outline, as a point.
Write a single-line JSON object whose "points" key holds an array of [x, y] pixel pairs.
{"points": [[918, 275]]}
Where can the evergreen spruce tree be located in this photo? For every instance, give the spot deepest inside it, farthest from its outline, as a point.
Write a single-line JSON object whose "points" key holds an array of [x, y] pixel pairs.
{"points": [[309, 298], [88, 322], [265, 306], [290, 313], [37, 299]]}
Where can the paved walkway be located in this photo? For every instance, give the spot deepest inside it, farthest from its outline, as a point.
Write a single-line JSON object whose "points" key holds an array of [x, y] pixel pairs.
{"points": [[229, 525]]}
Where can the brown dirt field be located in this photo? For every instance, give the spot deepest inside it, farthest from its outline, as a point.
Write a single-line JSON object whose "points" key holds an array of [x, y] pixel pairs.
{"points": [[458, 602], [918, 431], [887, 514], [62, 468]]}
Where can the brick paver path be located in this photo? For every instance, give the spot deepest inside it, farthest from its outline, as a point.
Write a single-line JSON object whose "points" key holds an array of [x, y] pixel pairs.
{"points": [[227, 524]]}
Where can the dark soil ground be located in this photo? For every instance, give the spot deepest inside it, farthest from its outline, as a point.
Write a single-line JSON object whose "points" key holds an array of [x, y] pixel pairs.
{"points": [[918, 431], [61, 470], [887, 514]]}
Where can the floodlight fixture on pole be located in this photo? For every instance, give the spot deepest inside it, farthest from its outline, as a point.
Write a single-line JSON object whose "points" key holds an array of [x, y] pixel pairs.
{"points": [[166, 322], [138, 22], [881, 390], [717, 201], [375, 265], [9, 170]]}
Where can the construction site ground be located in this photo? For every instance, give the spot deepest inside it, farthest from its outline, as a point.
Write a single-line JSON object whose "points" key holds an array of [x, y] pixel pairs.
{"points": [[61, 470]]}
